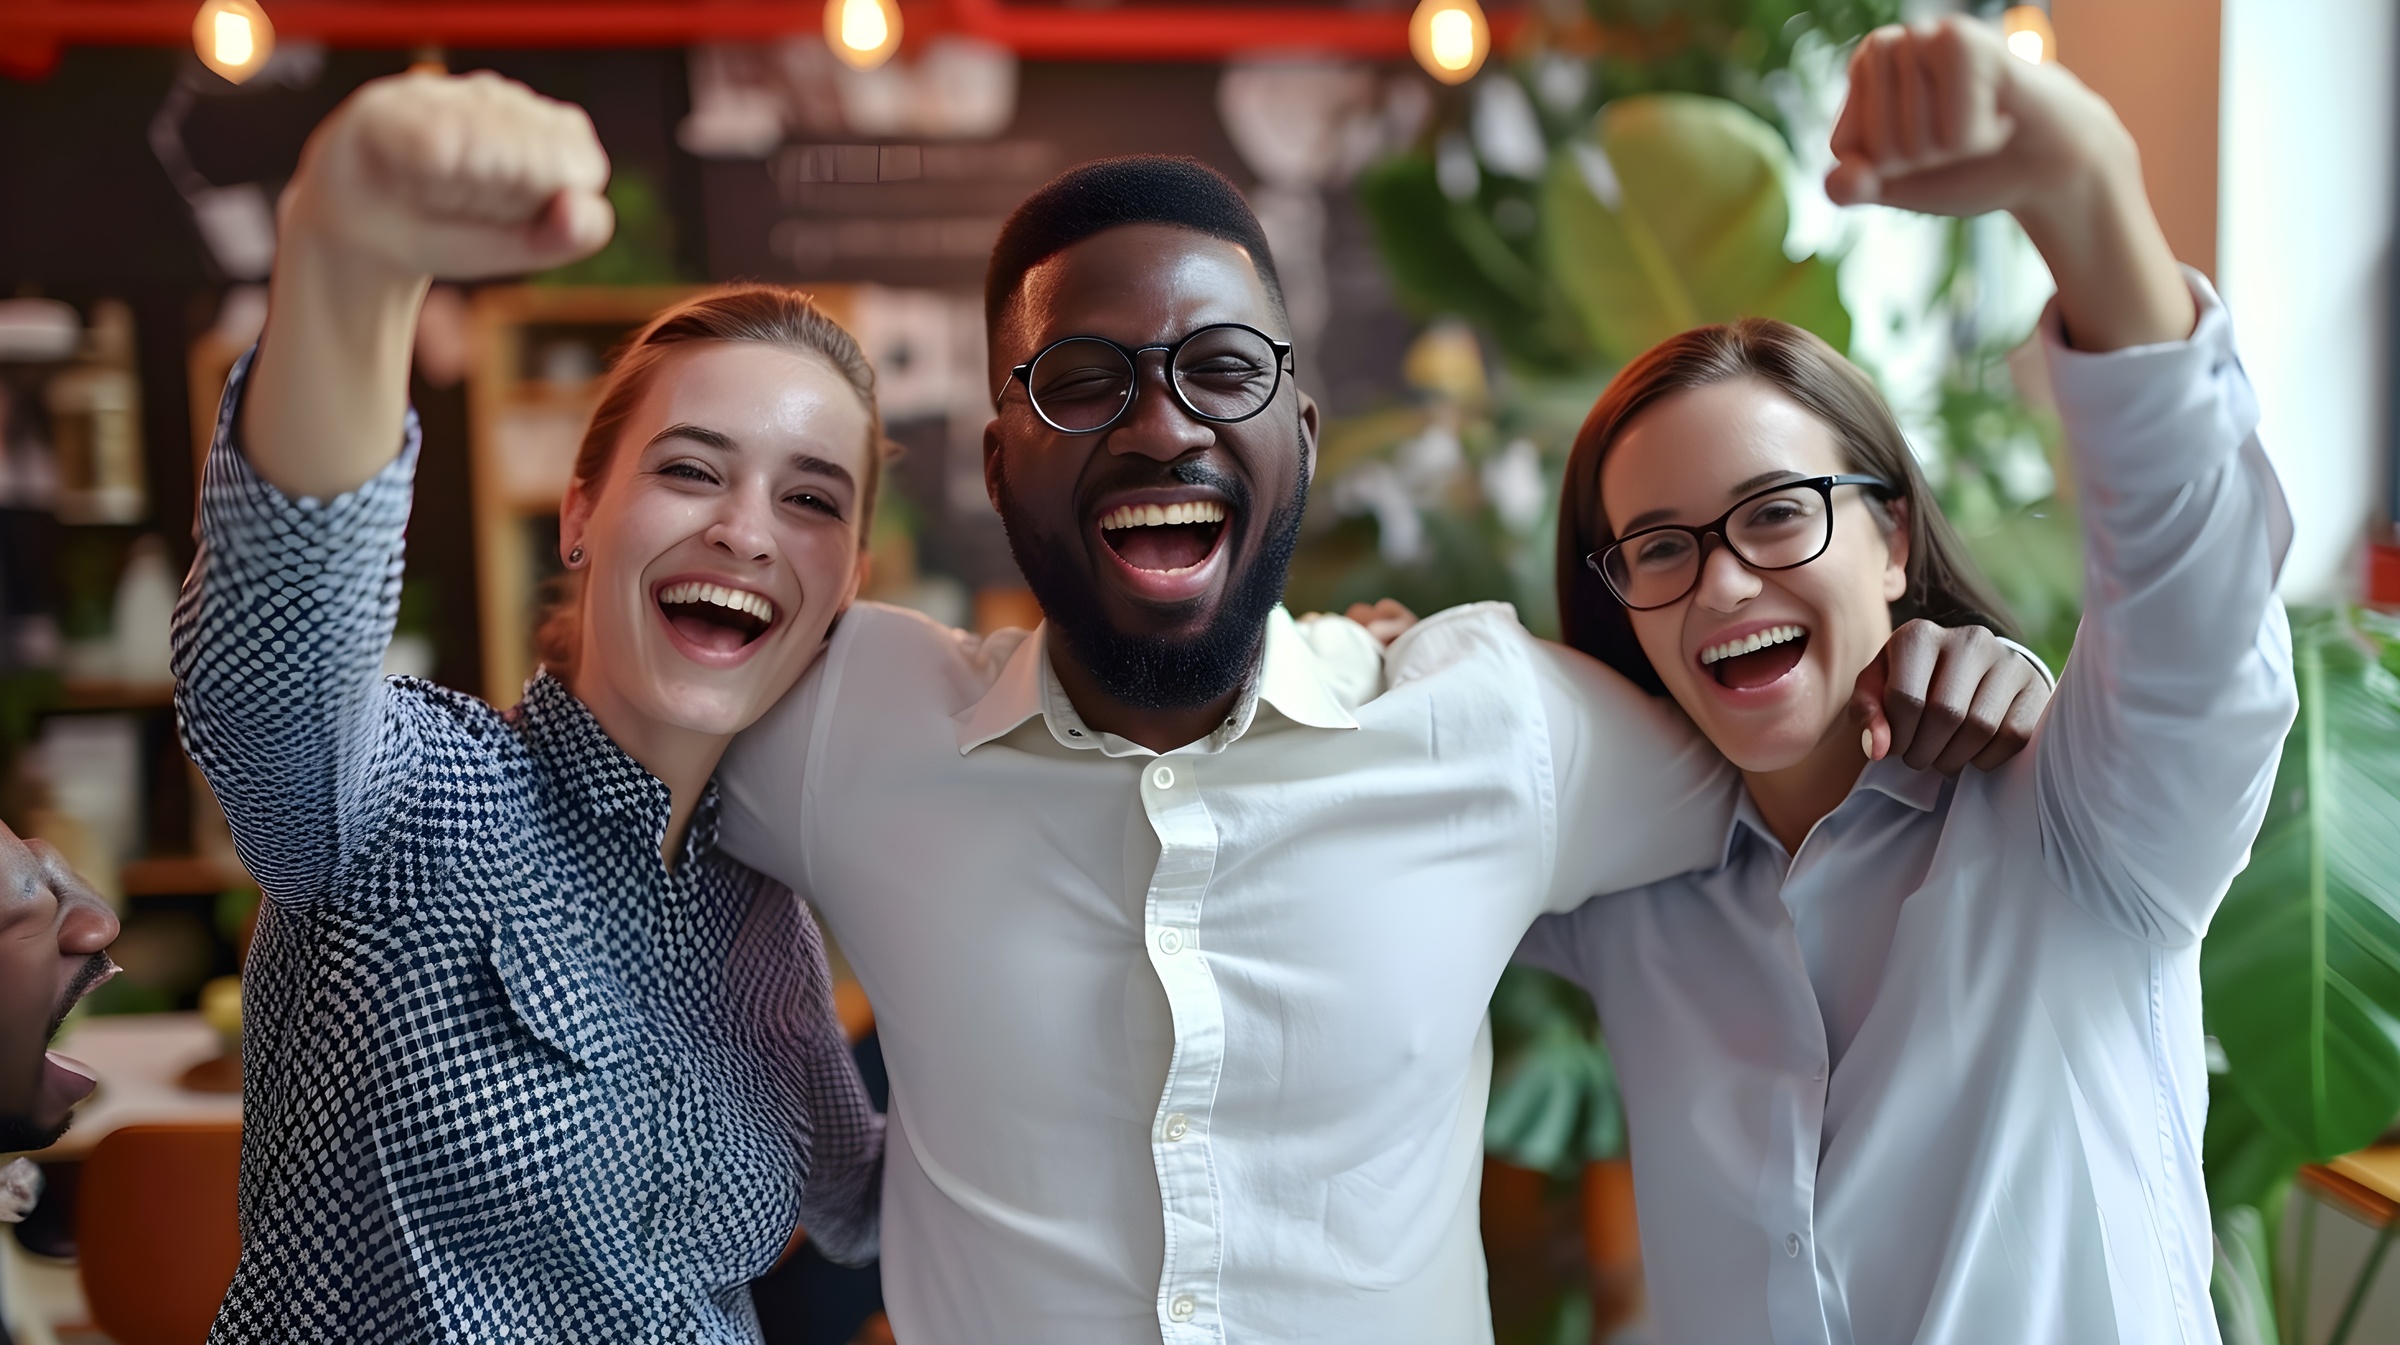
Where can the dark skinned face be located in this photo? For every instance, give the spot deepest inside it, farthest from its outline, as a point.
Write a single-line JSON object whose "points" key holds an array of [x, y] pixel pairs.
{"points": [[54, 931], [1164, 616]]}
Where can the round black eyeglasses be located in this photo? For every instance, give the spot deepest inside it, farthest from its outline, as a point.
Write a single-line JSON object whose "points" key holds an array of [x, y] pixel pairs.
{"points": [[1222, 373], [1782, 527]]}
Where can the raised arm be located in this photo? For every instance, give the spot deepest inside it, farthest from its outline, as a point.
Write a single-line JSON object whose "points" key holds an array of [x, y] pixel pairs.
{"points": [[413, 177], [2156, 756], [281, 631]]}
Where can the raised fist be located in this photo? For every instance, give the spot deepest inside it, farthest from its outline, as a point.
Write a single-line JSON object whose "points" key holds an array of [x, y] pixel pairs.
{"points": [[455, 177], [1942, 119]]}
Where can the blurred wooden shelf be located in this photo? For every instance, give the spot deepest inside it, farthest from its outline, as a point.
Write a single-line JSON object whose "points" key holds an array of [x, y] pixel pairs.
{"points": [[2366, 1184], [182, 875], [79, 693]]}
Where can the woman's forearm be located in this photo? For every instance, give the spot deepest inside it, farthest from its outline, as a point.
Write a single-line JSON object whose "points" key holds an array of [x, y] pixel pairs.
{"points": [[329, 387], [412, 177], [2118, 282]]}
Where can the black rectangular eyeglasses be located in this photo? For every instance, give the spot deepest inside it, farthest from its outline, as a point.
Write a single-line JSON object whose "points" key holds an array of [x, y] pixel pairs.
{"points": [[1783, 527]]}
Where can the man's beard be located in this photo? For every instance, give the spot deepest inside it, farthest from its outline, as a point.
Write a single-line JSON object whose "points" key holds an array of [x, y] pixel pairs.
{"points": [[1154, 672], [20, 1133]]}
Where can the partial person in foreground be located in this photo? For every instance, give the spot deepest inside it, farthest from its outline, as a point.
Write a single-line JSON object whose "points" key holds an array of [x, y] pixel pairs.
{"points": [[54, 937], [1180, 916], [1920, 1059], [526, 1058]]}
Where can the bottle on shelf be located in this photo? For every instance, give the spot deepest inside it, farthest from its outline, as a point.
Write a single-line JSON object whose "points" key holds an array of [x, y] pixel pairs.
{"points": [[144, 614], [96, 424]]}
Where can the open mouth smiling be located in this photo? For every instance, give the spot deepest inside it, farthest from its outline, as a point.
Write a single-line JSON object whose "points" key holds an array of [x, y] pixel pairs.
{"points": [[1164, 538], [1756, 659], [715, 619], [1167, 550]]}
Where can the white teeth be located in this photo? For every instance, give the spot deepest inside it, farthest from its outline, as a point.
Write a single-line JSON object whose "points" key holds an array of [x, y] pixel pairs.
{"points": [[1750, 644], [1161, 515], [734, 599]]}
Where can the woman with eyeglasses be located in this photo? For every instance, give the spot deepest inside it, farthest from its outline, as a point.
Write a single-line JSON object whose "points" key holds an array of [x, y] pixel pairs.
{"points": [[1922, 1059]]}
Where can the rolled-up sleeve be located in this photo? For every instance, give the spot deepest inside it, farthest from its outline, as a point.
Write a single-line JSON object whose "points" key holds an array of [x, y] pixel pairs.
{"points": [[279, 641], [2156, 757]]}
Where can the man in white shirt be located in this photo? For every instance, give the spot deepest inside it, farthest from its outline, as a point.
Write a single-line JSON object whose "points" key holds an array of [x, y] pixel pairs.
{"points": [[1180, 916]]}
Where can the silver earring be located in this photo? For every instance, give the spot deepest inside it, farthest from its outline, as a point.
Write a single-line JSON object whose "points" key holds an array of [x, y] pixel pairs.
{"points": [[575, 557]]}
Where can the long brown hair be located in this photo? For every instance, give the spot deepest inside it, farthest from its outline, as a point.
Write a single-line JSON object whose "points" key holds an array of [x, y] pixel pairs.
{"points": [[774, 315], [1943, 584]]}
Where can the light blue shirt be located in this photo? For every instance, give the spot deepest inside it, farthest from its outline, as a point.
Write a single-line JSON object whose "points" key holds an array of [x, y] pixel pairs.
{"points": [[1939, 1076]]}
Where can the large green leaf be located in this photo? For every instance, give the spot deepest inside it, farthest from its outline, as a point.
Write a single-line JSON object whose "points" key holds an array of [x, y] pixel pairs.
{"points": [[1694, 233], [2245, 1161], [1447, 260], [2301, 970]]}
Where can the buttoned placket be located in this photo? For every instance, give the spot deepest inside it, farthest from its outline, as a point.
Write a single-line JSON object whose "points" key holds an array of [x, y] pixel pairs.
{"points": [[1192, 1255], [1802, 1312], [1182, 1155], [1179, 1136], [1787, 1186]]}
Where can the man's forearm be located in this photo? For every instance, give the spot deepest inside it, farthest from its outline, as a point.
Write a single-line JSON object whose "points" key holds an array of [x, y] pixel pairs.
{"points": [[329, 391]]}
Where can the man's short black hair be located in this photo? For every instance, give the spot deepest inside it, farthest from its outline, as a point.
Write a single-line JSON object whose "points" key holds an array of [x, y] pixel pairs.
{"points": [[1095, 197]]}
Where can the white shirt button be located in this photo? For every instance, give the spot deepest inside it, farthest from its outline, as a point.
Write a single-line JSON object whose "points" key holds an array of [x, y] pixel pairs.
{"points": [[1791, 1244], [1182, 1307], [1163, 777], [1178, 1125], [1170, 941]]}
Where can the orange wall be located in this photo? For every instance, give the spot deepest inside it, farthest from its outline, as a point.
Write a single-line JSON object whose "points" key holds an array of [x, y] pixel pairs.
{"points": [[2156, 60]]}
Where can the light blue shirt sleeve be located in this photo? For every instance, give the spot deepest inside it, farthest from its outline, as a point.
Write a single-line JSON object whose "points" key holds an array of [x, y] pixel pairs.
{"points": [[2155, 759]]}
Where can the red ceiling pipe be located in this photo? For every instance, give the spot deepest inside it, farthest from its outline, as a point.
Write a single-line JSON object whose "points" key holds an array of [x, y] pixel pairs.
{"points": [[33, 31], [1193, 32]]}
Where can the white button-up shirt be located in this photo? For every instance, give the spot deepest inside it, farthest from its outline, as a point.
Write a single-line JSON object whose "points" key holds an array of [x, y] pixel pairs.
{"points": [[1191, 1047], [1939, 1076]]}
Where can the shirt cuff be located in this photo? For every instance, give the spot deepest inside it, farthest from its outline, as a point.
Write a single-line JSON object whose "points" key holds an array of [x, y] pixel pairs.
{"points": [[2152, 418]]}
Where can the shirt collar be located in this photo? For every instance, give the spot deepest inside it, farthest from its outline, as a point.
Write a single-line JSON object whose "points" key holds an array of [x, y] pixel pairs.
{"points": [[1290, 679], [575, 751], [1891, 777]]}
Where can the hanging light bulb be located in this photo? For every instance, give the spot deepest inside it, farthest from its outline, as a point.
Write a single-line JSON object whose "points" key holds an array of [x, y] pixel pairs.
{"points": [[2026, 29], [233, 38], [864, 33], [1450, 39]]}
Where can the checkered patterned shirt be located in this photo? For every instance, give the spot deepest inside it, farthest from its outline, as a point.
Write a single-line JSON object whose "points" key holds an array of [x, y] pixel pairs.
{"points": [[507, 1075]]}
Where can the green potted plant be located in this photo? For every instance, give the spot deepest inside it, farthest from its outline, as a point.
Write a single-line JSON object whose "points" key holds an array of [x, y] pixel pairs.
{"points": [[2300, 973]]}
